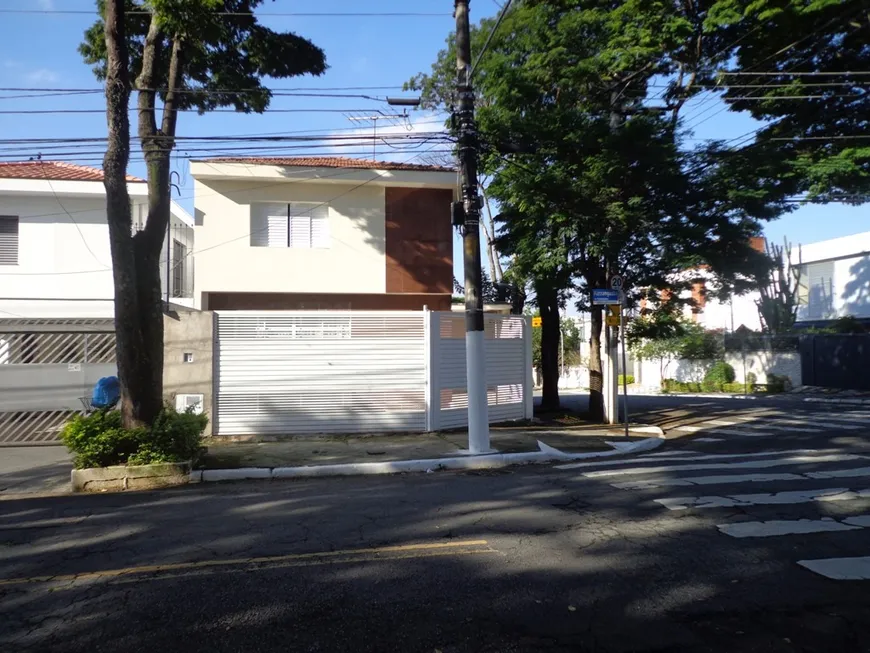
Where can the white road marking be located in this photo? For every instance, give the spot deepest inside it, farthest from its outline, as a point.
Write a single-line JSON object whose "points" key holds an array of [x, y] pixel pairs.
{"points": [[723, 431], [707, 440], [777, 498], [855, 472], [825, 422], [779, 527], [849, 417], [676, 457], [840, 568], [752, 464], [858, 520], [723, 479]]}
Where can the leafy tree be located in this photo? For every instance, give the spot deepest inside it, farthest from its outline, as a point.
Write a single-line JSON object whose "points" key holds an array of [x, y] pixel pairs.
{"points": [[820, 130], [189, 54], [665, 336], [570, 342], [607, 188]]}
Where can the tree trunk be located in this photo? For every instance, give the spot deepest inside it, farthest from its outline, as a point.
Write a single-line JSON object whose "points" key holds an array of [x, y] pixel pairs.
{"points": [[548, 303], [134, 350], [596, 379]]}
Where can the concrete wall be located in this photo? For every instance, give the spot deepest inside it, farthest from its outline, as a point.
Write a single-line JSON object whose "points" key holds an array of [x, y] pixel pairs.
{"points": [[760, 363], [189, 332], [226, 262]]}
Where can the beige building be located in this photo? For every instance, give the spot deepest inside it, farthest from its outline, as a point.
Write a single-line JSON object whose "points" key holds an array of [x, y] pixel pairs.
{"points": [[322, 233]]}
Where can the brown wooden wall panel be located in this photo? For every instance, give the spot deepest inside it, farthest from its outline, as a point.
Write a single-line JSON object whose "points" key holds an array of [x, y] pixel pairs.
{"points": [[419, 240], [227, 301]]}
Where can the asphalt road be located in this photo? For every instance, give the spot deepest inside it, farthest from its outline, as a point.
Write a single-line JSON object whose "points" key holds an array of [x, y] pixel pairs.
{"points": [[724, 540]]}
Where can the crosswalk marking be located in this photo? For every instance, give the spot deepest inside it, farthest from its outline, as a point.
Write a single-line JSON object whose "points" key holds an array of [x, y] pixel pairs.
{"points": [[775, 498], [722, 479], [714, 472], [752, 464], [769, 425], [840, 568], [724, 431], [779, 527], [680, 456], [733, 479]]}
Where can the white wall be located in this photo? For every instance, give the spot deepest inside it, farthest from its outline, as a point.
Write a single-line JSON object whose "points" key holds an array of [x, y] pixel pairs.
{"points": [[760, 363], [851, 280], [226, 261], [64, 260]]}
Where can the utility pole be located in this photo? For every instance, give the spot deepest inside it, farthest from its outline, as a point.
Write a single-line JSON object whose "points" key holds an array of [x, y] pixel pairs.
{"points": [[478, 418]]}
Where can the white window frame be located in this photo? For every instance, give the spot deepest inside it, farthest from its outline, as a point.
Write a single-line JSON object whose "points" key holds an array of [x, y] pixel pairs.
{"points": [[10, 240], [311, 224]]}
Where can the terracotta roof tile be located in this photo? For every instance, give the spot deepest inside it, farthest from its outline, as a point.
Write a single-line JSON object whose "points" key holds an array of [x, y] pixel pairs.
{"points": [[329, 162], [53, 170]]}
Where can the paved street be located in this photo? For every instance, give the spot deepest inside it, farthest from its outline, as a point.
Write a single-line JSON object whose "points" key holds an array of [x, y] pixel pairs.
{"points": [[744, 536]]}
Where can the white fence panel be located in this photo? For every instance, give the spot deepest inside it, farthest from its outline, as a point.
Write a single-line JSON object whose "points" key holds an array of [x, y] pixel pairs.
{"points": [[320, 372], [507, 348]]}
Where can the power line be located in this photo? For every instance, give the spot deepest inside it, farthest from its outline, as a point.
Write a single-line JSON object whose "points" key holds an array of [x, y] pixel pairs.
{"points": [[244, 14], [492, 32], [131, 109]]}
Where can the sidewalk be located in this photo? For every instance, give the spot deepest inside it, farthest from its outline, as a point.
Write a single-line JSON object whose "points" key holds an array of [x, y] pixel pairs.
{"points": [[344, 449], [46, 469]]}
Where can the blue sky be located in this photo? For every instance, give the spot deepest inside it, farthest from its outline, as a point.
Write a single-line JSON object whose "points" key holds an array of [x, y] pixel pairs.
{"points": [[39, 51]]}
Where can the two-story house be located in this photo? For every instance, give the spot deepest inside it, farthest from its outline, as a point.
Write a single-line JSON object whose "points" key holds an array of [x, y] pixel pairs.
{"points": [[55, 260], [323, 233]]}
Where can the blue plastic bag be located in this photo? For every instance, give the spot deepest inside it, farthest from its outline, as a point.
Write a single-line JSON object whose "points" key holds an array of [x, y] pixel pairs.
{"points": [[106, 392]]}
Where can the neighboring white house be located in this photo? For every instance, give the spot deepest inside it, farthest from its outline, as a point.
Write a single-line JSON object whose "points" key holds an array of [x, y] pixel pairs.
{"points": [[322, 233], [835, 279], [55, 260]]}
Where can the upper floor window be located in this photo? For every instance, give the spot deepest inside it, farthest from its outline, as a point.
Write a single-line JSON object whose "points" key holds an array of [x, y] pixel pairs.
{"points": [[8, 240], [816, 289], [297, 225]]}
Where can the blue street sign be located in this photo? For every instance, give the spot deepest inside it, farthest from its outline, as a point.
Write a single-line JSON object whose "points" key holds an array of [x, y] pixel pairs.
{"points": [[604, 296]]}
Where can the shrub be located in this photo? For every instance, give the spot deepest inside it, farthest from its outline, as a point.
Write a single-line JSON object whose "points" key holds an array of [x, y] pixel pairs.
{"points": [[735, 388], [621, 379], [751, 378], [99, 440], [778, 383], [717, 376]]}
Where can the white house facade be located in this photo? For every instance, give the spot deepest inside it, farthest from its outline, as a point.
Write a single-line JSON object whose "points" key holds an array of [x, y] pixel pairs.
{"points": [[835, 279], [322, 233], [55, 260]]}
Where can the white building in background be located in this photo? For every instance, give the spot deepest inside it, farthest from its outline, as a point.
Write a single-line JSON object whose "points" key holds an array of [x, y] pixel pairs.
{"points": [[55, 260], [835, 279]]}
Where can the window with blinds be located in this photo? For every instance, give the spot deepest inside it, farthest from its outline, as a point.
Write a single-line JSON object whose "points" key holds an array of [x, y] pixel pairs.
{"points": [[8, 240], [297, 225]]}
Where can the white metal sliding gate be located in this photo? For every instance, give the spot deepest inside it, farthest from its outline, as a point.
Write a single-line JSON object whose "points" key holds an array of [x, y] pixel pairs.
{"points": [[342, 372], [320, 372]]}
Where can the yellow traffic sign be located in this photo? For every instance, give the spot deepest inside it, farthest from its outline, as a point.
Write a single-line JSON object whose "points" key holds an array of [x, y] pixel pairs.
{"points": [[612, 320], [536, 321], [614, 309]]}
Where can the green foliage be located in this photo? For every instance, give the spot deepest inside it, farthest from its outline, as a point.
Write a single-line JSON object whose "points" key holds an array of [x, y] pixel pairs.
{"points": [[225, 58], [751, 379], [661, 336], [99, 440], [734, 388], [674, 386], [720, 372], [625, 379]]}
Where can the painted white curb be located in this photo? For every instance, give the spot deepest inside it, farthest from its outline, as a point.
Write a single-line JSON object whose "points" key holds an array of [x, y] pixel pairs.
{"points": [[236, 474], [487, 461]]}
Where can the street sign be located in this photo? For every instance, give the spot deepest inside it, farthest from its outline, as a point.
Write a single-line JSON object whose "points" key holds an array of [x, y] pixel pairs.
{"points": [[612, 320], [604, 296], [614, 310], [536, 321], [616, 283]]}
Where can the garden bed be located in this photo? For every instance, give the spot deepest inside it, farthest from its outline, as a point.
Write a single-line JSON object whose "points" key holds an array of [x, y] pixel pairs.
{"points": [[130, 477]]}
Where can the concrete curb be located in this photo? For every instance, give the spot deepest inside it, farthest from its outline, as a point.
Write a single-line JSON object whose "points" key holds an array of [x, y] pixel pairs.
{"points": [[486, 461], [780, 395]]}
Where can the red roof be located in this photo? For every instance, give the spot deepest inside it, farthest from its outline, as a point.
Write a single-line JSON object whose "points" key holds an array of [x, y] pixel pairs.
{"points": [[329, 162], [53, 170]]}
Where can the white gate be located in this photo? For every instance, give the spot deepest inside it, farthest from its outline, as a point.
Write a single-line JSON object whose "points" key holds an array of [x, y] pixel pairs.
{"points": [[508, 353], [346, 371], [320, 372]]}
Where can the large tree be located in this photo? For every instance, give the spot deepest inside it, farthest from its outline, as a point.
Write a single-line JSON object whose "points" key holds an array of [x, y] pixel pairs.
{"points": [[188, 54], [790, 67], [607, 189]]}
